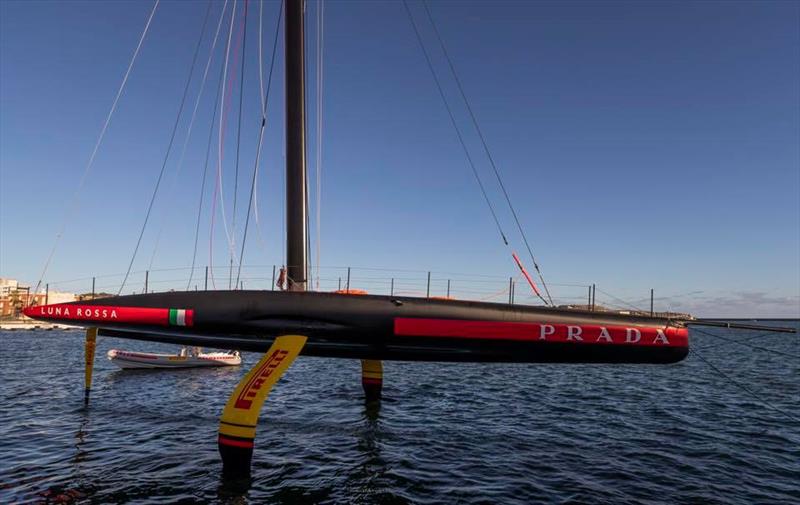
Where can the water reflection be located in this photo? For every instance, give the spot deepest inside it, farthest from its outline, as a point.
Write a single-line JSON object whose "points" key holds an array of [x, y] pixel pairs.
{"points": [[235, 491], [368, 438], [80, 440]]}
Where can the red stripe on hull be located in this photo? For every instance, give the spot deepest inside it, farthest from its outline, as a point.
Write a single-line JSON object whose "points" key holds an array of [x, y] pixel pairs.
{"points": [[542, 332], [104, 314]]}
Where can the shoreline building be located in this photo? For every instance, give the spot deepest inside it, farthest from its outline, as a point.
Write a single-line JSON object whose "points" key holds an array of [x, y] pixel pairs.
{"points": [[14, 297]]}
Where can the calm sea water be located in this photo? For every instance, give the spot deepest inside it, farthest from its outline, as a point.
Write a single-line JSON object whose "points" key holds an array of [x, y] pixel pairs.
{"points": [[445, 433]]}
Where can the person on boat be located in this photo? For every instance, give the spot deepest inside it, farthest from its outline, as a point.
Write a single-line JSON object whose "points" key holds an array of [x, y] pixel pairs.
{"points": [[281, 282]]}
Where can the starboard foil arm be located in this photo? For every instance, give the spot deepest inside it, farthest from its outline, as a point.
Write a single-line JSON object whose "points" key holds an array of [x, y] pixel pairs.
{"points": [[380, 327], [237, 426]]}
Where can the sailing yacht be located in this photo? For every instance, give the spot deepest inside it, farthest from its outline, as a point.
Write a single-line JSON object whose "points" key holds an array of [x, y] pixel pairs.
{"points": [[371, 328]]}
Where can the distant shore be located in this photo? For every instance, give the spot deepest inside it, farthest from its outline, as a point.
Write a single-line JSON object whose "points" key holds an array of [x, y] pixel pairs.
{"points": [[789, 319], [30, 324]]}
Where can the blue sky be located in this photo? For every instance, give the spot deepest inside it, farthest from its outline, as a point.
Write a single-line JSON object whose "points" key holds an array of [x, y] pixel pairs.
{"points": [[644, 144]]}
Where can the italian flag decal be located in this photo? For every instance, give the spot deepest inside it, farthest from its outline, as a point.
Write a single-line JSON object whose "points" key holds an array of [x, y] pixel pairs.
{"points": [[178, 317]]}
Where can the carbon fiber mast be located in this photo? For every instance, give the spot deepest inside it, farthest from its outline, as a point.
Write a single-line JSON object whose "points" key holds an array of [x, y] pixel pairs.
{"points": [[296, 203]]}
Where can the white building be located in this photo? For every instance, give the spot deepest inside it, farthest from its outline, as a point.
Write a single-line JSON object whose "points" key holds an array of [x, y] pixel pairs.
{"points": [[8, 286], [14, 297], [60, 297]]}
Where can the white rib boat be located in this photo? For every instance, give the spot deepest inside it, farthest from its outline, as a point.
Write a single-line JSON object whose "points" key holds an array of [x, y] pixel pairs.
{"points": [[129, 359]]}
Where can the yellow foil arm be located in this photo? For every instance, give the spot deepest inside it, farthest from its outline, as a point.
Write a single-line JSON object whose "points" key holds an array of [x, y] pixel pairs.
{"points": [[237, 427]]}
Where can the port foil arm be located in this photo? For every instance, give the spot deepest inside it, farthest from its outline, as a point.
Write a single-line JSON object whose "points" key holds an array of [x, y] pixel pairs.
{"points": [[372, 379], [89, 348]]}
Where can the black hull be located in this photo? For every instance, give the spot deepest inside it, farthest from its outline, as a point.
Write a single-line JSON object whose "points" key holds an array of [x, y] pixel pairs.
{"points": [[366, 327]]}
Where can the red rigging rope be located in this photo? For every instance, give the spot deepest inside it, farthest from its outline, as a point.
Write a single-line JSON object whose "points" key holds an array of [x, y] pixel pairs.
{"points": [[528, 277], [74, 203]]}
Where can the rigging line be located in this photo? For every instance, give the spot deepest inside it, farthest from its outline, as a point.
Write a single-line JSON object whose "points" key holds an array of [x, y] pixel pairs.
{"points": [[486, 148], [239, 130], [260, 53], [318, 178], [309, 259], [74, 202], [310, 263], [205, 171], [221, 135], [169, 149], [453, 121], [623, 302], [742, 343], [306, 202], [752, 337], [264, 102], [189, 131], [458, 132], [282, 196], [667, 298], [758, 398], [263, 107]]}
